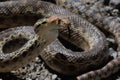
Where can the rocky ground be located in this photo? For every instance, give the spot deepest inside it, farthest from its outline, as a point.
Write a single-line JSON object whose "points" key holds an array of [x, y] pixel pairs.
{"points": [[37, 69]]}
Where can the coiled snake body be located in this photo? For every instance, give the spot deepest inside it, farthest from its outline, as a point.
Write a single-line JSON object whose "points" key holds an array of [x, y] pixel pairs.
{"points": [[25, 36], [102, 22], [79, 28]]}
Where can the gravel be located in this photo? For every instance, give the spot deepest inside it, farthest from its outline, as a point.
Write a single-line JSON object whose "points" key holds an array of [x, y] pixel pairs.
{"points": [[37, 69]]}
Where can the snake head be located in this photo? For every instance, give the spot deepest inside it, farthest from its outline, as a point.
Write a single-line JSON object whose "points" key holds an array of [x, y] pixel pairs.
{"points": [[61, 20], [49, 26], [47, 31], [51, 23]]}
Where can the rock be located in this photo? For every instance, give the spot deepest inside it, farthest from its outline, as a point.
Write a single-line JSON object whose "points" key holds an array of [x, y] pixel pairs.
{"points": [[38, 79], [115, 4], [115, 12], [54, 77], [113, 53], [28, 79], [44, 73]]}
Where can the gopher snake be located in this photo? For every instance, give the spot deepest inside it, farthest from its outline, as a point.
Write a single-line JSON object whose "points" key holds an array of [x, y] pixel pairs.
{"points": [[103, 22], [79, 27], [32, 39]]}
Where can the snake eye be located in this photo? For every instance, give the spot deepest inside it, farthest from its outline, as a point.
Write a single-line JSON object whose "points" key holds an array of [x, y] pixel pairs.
{"points": [[39, 23], [59, 21], [37, 26]]}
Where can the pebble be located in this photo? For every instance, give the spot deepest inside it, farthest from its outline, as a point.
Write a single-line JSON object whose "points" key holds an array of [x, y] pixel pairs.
{"points": [[115, 12], [38, 79], [36, 69], [113, 52], [28, 79], [54, 77], [114, 3], [118, 78], [43, 74]]}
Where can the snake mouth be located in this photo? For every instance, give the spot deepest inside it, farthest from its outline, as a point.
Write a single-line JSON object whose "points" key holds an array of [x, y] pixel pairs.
{"points": [[13, 45]]}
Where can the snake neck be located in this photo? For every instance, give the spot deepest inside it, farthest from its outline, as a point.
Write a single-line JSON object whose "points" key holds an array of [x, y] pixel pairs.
{"points": [[101, 21]]}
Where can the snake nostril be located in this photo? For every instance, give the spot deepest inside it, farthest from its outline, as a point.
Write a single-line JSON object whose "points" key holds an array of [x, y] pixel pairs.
{"points": [[13, 45]]}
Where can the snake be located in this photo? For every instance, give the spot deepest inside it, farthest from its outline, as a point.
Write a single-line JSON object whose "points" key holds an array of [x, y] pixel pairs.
{"points": [[19, 45], [94, 17], [81, 31], [102, 22], [17, 11]]}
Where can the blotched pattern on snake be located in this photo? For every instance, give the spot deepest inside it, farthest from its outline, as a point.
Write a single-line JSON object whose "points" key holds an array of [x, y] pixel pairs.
{"points": [[94, 55]]}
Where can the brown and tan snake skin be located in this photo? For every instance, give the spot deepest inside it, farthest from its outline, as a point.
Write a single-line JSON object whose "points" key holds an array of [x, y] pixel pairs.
{"points": [[103, 22], [89, 36], [19, 45]]}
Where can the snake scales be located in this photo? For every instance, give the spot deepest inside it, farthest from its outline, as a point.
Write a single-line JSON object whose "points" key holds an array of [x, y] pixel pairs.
{"points": [[79, 27], [67, 57], [103, 22], [30, 38]]}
